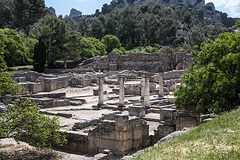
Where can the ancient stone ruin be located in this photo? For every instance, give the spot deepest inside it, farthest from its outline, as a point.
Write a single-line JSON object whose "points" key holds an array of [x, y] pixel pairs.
{"points": [[115, 111]]}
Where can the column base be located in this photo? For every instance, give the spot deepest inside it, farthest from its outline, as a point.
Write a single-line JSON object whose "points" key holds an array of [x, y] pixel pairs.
{"points": [[97, 107], [160, 96], [147, 107], [120, 106]]}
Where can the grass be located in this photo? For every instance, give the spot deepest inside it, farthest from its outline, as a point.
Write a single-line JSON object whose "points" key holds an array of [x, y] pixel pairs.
{"points": [[217, 139], [17, 67]]}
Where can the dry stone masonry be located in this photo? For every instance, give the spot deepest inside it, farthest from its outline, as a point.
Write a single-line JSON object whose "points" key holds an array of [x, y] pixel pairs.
{"points": [[112, 112]]}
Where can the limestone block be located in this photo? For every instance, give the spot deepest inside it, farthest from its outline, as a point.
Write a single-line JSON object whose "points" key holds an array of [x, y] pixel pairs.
{"points": [[164, 130], [122, 126], [93, 144], [145, 130], [138, 111], [136, 143], [115, 146], [76, 142], [121, 118], [124, 136], [137, 133], [186, 122], [167, 113]]}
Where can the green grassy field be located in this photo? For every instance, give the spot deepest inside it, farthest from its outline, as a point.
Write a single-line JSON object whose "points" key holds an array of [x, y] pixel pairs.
{"points": [[17, 67], [217, 139]]}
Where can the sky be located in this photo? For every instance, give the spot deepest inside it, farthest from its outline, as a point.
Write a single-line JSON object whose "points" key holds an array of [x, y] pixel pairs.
{"points": [[63, 7]]}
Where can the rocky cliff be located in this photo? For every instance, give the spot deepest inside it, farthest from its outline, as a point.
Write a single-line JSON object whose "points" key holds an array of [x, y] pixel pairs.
{"points": [[208, 10], [75, 14]]}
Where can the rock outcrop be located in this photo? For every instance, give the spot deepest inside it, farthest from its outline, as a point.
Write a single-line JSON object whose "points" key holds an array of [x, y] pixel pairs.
{"points": [[75, 14], [52, 11], [209, 12]]}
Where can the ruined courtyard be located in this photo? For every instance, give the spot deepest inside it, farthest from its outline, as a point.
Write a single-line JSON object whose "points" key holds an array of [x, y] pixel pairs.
{"points": [[112, 104]]}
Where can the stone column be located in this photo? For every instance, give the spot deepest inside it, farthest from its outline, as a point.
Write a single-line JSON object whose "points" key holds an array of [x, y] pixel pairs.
{"points": [[146, 91], [121, 91], [160, 95], [142, 88], [100, 91]]}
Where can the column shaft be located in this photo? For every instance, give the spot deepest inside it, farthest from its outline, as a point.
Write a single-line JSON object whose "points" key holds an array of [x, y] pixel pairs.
{"points": [[142, 88], [100, 91], [121, 92], [147, 93], [160, 85]]}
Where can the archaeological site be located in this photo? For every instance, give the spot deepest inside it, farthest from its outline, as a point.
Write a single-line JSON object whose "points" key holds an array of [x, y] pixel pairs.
{"points": [[115, 105]]}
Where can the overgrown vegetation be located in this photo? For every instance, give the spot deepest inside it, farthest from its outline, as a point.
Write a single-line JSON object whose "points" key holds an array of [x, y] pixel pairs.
{"points": [[39, 38], [22, 120], [212, 83], [217, 139]]}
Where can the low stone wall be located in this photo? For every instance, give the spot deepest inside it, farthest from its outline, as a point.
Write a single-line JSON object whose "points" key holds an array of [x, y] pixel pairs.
{"points": [[37, 82], [187, 118], [76, 142], [50, 102], [133, 61], [50, 95], [120, 136], [56, 83]]}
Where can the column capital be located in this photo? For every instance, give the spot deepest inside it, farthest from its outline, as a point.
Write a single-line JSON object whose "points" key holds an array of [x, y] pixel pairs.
{"points": [[121, 76], [147, 75], [100, 76]]}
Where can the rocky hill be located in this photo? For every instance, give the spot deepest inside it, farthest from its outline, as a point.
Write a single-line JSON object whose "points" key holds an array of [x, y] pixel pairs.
{"points": [[207, 10], [75, 14]]}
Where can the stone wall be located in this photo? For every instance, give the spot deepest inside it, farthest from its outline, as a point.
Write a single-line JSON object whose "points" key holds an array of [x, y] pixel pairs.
{"points": [[76, 142], [124, 134], [187, 118], [133, 61], [38, 82]]}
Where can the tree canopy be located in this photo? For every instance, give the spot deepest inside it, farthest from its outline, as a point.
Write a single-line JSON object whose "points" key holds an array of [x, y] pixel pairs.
{"points": [[213, 82], [16, 48], [23, 121]]}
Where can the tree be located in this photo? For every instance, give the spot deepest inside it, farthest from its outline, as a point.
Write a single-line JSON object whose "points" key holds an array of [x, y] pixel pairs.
{"points": [[39, 58], [52, 31], [91, 47], [28, 12], [23, 121], [212, 84], [237, 25], [8, 87], [111, 42], [17, 49], [6, 13]]}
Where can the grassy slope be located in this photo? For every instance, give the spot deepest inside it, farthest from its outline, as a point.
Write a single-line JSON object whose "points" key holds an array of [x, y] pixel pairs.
{"points": [[217, 139]]}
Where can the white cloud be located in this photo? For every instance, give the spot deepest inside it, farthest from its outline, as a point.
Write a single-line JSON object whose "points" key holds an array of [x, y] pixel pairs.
{"points": [[234, 7], [217, 2]]}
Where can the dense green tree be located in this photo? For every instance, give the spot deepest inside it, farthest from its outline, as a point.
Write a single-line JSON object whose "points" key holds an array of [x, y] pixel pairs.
{"points": [[23, 121], [111, 42], [237, 25], [6, 13], [3, 64], [39, 58], [8, 87], [28, 12], [16, 48], [52, 31], [149, 23], [213, 82], [91, 47], [71, 48]]}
